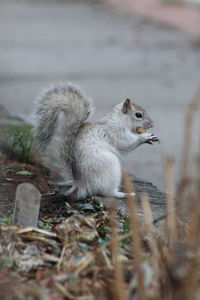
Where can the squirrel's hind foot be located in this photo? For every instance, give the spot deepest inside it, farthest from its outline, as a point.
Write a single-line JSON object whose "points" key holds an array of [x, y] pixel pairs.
{"points": [[121, 195]]}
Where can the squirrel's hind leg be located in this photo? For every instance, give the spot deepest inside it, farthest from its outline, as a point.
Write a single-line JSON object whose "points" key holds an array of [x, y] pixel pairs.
{"points": [[60, 183], [76, 193]]}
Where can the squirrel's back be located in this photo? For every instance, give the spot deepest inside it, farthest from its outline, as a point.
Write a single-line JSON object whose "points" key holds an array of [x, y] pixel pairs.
{"points": [[60, 110]]}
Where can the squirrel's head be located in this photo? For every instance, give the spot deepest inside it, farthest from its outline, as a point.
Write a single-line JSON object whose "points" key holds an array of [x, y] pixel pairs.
{"points": [[137, 114]]}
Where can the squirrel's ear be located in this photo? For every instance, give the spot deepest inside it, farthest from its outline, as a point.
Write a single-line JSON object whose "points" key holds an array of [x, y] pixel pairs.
{"points": [[126, 106]]}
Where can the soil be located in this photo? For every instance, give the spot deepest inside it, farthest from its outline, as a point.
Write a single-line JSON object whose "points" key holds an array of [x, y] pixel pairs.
{"points": [[54, 204], [36, 175]]}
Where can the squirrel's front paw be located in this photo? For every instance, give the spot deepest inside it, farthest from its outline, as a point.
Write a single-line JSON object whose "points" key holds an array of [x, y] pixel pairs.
{"points": [[149, 138]]}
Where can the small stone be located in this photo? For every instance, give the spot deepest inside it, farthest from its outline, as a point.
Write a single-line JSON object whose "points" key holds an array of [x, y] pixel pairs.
{"points": [[27, 205]]}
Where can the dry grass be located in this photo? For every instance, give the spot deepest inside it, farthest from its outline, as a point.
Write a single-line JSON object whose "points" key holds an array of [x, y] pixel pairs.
{"points": [[174, 258], [87, 258]]}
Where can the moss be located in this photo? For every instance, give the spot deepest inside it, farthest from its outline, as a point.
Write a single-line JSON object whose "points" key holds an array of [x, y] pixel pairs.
{"points": [[16, 140], [6, 220]]}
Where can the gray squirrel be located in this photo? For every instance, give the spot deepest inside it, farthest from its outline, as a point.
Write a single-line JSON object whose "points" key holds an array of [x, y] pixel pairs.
{"points": [[86, 155]]}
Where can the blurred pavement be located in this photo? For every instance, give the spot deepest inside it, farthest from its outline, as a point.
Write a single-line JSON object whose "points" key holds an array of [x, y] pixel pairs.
{"points": [[111, 55], [169, 12]]}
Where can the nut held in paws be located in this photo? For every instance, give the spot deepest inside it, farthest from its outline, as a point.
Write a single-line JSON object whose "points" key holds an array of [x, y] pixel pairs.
{"points": [[140, 130]]}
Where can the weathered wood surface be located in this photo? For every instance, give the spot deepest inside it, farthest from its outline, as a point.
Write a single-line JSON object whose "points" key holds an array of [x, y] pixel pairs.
{"points": [[157, 200]]}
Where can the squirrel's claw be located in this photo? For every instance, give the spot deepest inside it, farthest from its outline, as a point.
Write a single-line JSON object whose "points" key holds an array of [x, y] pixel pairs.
{"points": [[150, 138], [155, 139], [149, 142]]}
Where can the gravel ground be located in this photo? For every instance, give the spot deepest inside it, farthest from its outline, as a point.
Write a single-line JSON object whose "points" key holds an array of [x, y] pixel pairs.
{"points": [[112, 56]]}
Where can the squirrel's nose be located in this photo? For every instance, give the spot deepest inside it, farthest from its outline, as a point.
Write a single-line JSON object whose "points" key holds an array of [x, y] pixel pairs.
{"points": [[148, 124]]}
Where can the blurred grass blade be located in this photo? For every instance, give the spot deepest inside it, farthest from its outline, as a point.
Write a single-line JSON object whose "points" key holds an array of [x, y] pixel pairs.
{"points": [[152, 242], [187, 142], [137, 248], [119, 290], [171, 209]]}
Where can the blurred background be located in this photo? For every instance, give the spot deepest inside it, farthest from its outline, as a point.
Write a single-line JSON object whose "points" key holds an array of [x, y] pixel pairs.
{"points": [[146, 50]]}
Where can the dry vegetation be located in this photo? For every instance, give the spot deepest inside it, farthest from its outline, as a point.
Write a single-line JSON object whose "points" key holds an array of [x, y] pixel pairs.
{"points": [[100, 256]]}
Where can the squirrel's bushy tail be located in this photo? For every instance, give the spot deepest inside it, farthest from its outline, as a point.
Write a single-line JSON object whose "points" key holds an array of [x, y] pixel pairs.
{"points": [[60, 111]]}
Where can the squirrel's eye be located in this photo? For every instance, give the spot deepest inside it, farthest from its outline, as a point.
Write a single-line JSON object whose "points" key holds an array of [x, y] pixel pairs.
{"points": [[138, 115]]}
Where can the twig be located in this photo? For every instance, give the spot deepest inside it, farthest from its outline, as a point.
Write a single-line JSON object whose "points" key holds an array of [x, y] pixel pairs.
{"points": [[88, 259], [148, 220], [195, 222], [119, 295], [171, 210], [61, 289], [187, 142], [61, 258], [128, 186]]}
